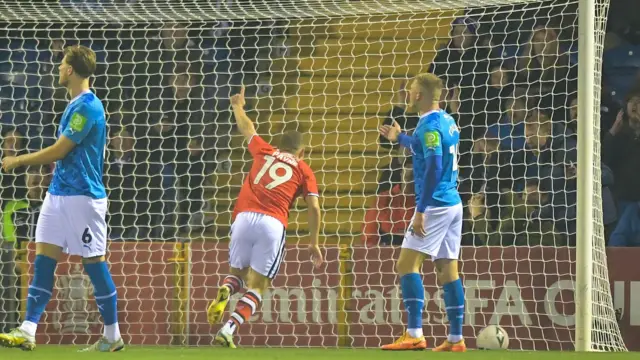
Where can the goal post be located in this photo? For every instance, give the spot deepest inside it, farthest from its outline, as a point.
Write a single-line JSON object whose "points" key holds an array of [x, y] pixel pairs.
{"points": [[534, 259], [587, 95]]}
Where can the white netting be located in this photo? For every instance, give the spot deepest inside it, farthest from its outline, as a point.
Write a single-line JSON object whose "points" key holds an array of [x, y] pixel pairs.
{"points": [[332, 69]]}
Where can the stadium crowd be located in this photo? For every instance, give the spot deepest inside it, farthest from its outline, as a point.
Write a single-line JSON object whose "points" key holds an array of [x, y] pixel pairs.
{"points": [[516, 107]]}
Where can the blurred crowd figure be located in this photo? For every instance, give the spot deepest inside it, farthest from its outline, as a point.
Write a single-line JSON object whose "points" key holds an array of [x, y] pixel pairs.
{"points": [[513, 93]]}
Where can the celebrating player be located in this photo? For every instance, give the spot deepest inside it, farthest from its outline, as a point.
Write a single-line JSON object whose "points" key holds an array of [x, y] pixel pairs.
{"points": [[72, 218], [277, 178], [437, 225]]}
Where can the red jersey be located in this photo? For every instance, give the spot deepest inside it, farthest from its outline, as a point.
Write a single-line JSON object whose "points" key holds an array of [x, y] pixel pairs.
{"points": [[275, 181]]}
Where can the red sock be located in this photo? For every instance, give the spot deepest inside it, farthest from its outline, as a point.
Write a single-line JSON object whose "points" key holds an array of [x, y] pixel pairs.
{"points": [[234, 284], [246, 307]]}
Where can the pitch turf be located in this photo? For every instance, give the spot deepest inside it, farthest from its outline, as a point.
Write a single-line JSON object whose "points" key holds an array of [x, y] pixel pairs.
{"points": [[156, 353]]}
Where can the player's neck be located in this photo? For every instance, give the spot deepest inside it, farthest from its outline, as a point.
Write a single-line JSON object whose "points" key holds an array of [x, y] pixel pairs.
{"points": [[77, 89], [425, 109]]}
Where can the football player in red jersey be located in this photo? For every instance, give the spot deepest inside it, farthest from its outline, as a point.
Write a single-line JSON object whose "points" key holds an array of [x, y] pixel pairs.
{"points": [[277, 177]]}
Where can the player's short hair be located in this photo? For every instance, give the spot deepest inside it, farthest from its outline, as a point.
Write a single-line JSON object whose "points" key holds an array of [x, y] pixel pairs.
{"points": [[81, 59], [291, 141], [430, 83]]}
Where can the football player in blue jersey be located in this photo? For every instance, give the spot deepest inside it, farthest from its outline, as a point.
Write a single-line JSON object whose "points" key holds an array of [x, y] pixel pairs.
{"points": [[72, 219], [436, 228]]}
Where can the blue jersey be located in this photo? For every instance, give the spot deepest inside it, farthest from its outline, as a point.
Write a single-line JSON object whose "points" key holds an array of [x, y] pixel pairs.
{"points": [[80, 172], [435, 160]]}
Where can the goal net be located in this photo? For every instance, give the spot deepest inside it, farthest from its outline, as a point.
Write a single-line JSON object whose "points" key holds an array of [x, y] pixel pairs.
{"points": [[335, 70]]}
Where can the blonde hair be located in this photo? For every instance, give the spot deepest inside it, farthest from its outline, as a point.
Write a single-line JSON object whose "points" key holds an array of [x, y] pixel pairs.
{"points": [[431, 84]]}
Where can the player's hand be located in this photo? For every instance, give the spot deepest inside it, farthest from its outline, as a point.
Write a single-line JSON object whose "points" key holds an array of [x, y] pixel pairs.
{"points": [[316, 255], [418, 225], [391, 132], [618, 125], [238, 100], [9, 163]]}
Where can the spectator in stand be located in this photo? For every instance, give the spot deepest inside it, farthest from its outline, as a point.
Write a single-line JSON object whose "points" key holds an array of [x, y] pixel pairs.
{"points": [[387, 221], [510, 129], [134, 190], [621, 152], [21, 215], [392, 174], [627, 232], [465, 63], [499, 88], [546, 68], [519, 224], [13, 184], [192, 184], [548, 146]]}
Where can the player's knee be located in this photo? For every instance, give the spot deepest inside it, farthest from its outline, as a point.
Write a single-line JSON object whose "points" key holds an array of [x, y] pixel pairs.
{"points": [[49, 250], [446, 270], [409, 262], [257, 281], [93, 260]]}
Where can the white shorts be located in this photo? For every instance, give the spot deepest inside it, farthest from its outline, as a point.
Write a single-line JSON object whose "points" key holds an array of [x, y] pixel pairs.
{"points": [[443, 226], [257, 241], [74, 223]]}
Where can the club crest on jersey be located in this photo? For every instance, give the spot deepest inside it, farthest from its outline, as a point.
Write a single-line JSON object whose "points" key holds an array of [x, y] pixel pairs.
{"points": [[432, 139], [77, 122]]}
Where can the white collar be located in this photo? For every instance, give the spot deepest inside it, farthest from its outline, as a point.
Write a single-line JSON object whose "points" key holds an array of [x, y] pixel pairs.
{"points": [[78, 96], [429, 113]]}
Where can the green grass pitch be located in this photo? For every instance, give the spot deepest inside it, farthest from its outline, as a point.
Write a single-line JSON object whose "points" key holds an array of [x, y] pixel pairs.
{"points": [[204, 353]]}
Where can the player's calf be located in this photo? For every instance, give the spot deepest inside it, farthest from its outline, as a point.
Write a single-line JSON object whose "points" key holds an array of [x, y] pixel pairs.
{"points": [[247, 306], [230, 285], [447, 270], [106, 298]]}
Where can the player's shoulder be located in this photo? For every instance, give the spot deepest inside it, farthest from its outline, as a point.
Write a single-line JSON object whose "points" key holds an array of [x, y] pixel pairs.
{"points": [[438, 120], [304, 167], [89, 103]]}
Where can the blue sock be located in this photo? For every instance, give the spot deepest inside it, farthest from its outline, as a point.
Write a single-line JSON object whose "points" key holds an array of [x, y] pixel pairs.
{"points": [[413, 298], [454, 303], [41, 287], [105, 291]]}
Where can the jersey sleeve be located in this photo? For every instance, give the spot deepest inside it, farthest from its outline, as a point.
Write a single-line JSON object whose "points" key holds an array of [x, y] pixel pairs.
{"points": [[258, 146], [309, 184], [431, 141], [79, 125]]}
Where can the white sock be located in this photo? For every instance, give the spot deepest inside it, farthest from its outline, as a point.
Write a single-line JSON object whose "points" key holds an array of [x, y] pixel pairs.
{"points": [[112, 332], [415, 333], [454, 338], [29, 328], [227, 328]]}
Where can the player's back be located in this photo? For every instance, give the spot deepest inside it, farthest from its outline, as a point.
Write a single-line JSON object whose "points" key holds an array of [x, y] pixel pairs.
{"points": [[446, 191], [80, 172], [276, 179]]}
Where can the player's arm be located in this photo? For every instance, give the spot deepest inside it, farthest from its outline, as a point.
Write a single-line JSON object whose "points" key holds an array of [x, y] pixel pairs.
{"points": [[313, 208], [431, 142], [244, 123], [311, 193], [394, 133], [77, 129], [53, 153]]}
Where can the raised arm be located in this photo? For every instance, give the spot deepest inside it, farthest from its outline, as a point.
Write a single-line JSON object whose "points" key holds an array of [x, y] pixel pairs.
{"points": [[244, 123]]}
